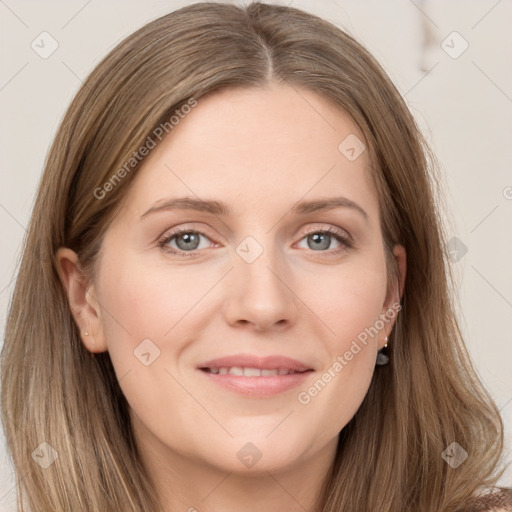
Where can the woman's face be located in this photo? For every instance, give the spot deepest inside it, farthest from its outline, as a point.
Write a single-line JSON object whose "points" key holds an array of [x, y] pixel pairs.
{"points": [[258, 270]]}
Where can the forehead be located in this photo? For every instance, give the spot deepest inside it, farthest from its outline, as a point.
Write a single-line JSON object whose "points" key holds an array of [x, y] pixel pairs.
{"points": [[278, 143]]}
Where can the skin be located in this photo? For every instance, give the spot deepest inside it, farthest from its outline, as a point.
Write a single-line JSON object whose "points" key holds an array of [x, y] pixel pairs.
{"points": [[260, 151]]}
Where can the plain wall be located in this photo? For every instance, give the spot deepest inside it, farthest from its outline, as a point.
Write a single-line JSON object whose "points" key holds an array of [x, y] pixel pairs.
{"points": [[463, 104]]}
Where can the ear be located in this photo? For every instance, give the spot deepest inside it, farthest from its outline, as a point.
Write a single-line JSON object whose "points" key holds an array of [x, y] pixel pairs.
{"points": [[81, 295], [395, 290]]}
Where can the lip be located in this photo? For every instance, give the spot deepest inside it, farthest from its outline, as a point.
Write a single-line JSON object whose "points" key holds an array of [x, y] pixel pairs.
{"points": [[257, 387], [263, 363]]}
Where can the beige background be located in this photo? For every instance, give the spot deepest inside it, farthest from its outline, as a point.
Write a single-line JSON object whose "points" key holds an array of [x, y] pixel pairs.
{"points": [[464, 105]]}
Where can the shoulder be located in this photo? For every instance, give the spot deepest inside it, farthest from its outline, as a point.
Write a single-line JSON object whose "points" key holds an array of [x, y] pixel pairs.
{"points": [[500, 500]]}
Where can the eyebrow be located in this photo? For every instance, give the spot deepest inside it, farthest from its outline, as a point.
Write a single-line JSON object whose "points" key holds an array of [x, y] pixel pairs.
{"points": [[221, 209]]}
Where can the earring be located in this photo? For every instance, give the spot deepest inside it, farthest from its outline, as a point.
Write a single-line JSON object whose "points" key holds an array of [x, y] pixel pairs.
{"points": [[382, 359], [87, 334]]}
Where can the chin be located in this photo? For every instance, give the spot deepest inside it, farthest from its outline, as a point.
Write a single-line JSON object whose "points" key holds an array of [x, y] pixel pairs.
{"points": [[257, 454]]}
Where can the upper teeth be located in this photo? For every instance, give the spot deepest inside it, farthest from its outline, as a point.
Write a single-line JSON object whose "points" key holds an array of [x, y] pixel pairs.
{"points": [[249, 372]]}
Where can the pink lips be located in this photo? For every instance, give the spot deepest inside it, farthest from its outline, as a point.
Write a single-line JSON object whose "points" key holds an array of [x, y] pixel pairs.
{"points": [[250, 361], [257, 386]]}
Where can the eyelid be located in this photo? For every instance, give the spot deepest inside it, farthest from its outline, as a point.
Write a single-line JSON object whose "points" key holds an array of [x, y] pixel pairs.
{"points": [[186, 228], [334, 230]]}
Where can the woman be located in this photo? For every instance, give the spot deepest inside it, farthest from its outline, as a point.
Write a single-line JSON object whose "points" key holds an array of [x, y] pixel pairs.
{"points": [[237, 221]]}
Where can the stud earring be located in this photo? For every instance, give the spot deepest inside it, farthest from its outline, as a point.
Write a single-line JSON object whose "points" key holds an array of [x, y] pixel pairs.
{"points": [[382, 359]]}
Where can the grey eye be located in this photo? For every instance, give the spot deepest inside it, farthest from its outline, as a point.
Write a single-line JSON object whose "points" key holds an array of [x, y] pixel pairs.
{"points": [[187, 241], [319, 241]]}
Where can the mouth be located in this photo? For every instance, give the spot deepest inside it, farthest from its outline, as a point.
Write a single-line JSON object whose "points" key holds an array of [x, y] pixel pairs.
{"points": [[256, 377], [251, 372], [238, 364]]}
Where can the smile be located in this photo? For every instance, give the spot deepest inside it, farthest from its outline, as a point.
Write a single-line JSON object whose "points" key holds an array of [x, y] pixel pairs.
{"points": [[255, 382], [249, 372]]}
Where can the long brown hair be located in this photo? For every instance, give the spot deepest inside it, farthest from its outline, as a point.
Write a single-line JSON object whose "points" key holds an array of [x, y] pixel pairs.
{"points": [[389, 456]]}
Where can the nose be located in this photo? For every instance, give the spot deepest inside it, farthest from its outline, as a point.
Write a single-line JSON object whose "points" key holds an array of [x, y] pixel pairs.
{"points": [[261, 294]]}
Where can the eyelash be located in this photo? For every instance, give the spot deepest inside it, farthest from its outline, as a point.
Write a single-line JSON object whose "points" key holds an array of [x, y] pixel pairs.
{"points": [[345, 241]]}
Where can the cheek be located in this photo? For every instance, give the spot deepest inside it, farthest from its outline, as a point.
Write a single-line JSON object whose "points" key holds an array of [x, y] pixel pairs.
{"points": [[144, 318], [347, 299], [149, 315], [142, 302]]}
